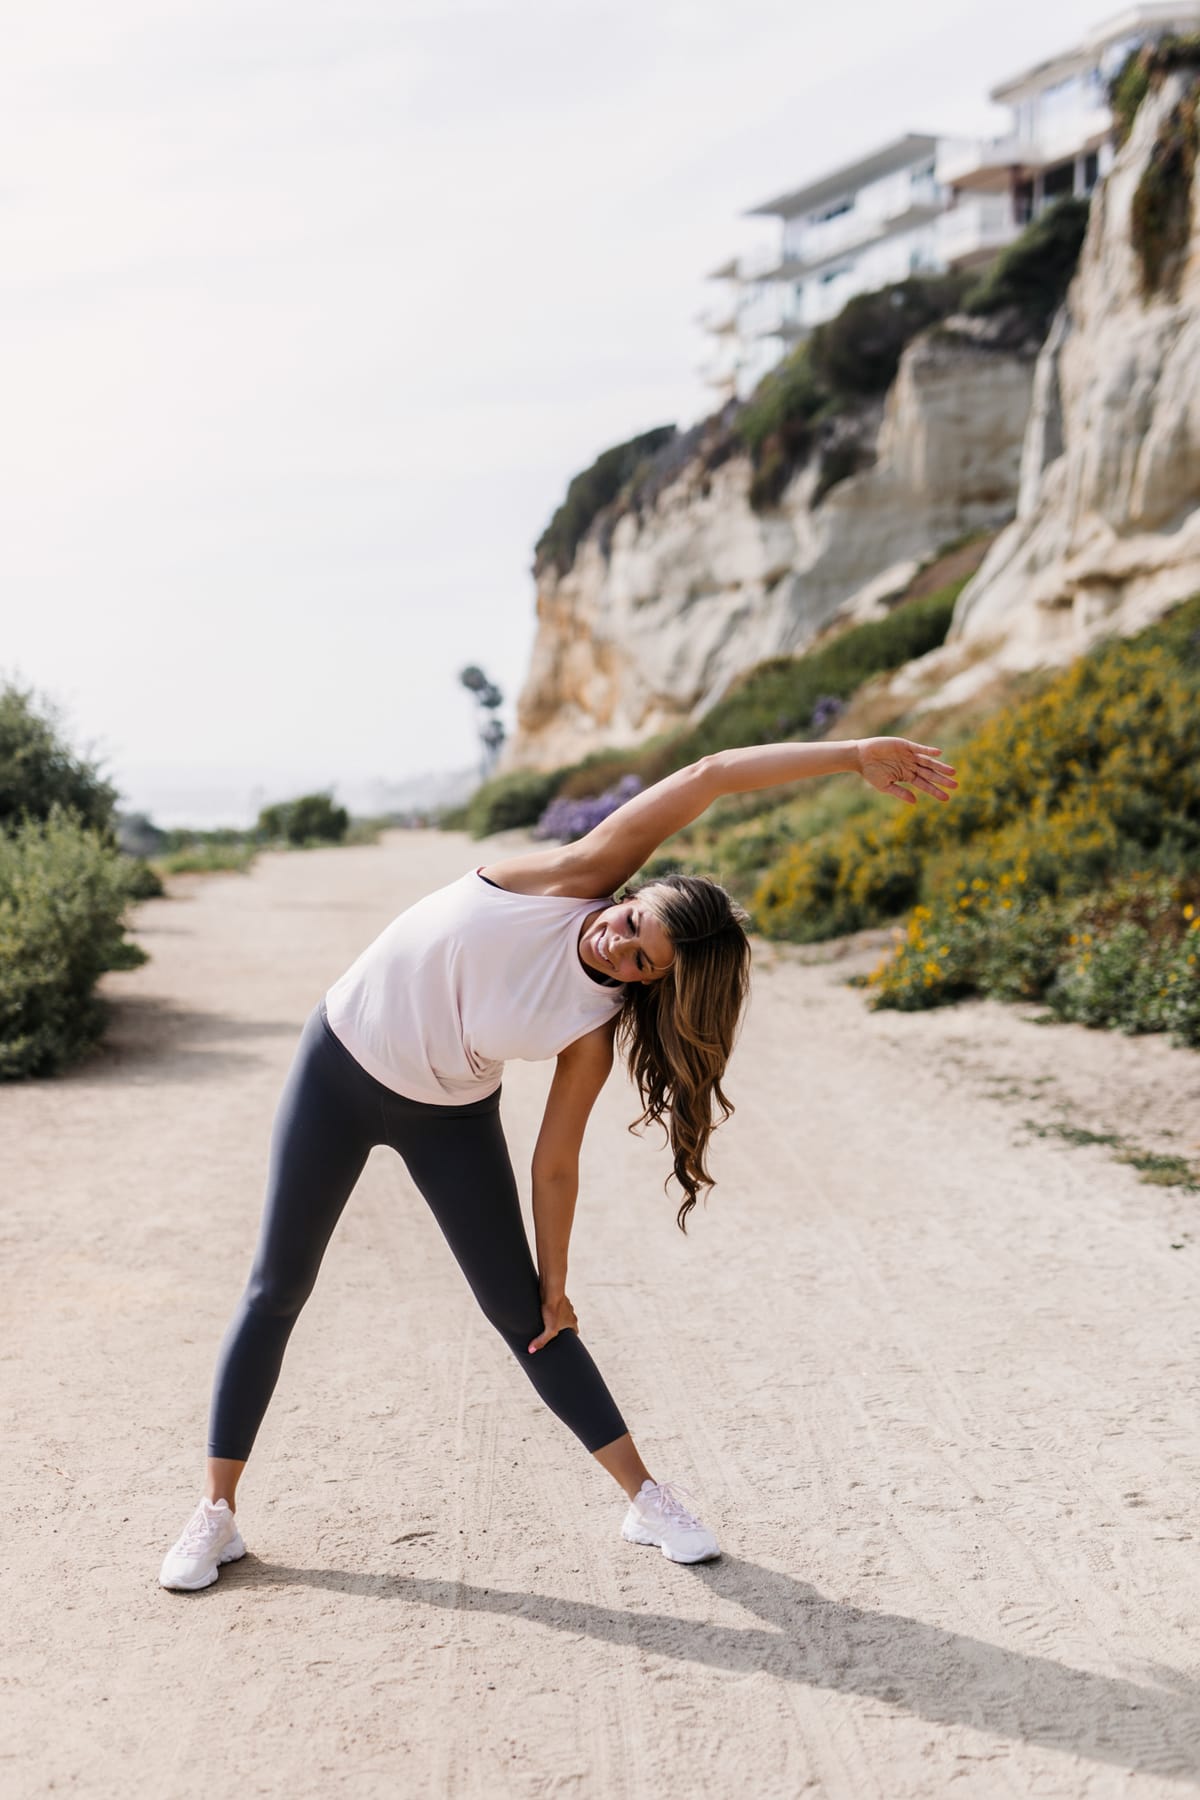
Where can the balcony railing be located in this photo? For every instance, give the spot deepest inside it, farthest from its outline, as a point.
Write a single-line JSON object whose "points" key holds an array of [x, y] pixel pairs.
{"points": [[977, 227], [720, 321], [961, 158], [821, 243], [1055, 139]]}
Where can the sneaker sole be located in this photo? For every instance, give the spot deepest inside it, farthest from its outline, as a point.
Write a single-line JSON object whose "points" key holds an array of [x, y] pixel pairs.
{"points": [[232, 1553], [634, 1537]]}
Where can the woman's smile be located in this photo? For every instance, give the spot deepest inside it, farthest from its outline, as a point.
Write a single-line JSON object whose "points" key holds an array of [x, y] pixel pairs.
{"points": [[626, 943]]}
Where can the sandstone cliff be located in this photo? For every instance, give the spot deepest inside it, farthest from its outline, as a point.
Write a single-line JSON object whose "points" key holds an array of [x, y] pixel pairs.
{"points": [[657, 615], [1096, 450], [1107, 533]]}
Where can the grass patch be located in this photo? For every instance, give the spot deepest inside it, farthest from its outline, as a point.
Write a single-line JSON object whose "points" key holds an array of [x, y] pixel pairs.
{"points": [[1152, 1166], [207, 859], [1162, 1170]]}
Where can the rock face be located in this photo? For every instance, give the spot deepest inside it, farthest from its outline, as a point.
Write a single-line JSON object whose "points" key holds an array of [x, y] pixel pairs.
{"points": [[1107, 532], [650, 628]]}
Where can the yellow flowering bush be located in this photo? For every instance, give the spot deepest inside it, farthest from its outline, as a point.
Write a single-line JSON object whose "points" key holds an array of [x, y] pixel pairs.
{"points": [[1078, 813], [1127, 957], [1100, 769]]}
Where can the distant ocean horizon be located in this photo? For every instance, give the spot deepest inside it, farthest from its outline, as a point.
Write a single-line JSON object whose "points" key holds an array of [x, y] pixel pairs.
{"points": [[206, 800]]}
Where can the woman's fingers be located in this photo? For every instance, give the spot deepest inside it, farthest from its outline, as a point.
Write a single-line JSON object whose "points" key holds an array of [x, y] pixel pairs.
{"points": [[562, 1318]]}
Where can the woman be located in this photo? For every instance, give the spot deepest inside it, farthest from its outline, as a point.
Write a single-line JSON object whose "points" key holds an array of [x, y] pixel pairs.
{"points": [[528, 957]]}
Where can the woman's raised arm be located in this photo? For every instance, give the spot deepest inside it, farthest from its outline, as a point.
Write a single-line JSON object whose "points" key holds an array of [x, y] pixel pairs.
{"points": [[616, 849]]}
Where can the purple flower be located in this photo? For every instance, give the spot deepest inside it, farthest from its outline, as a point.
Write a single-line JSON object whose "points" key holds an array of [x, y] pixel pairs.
{"points": [[827, 708], [566, 819]]}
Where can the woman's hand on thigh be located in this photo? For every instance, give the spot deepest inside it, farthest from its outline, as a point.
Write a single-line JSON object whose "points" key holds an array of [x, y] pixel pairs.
{"points": [[557, 1315]]}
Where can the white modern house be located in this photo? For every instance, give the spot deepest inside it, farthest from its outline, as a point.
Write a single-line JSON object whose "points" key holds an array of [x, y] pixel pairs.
{"points": [[925, 204], [1060, 140], [859, 227]]}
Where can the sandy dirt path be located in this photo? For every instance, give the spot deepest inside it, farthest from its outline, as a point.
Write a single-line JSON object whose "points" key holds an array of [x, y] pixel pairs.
{"points": [[929, 1374]]}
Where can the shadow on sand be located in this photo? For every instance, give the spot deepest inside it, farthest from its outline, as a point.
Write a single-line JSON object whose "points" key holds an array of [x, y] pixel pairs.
{"points": [[941, 1676], [148, 1037]]}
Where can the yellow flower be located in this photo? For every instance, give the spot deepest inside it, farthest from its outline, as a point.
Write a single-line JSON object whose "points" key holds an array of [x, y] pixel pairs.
{"points": [[931, 970], [943, 951], [1188, 911]]}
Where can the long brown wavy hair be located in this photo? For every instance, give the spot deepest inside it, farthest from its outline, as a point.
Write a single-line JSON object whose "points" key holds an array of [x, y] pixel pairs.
{"points": [[677, 1033]]}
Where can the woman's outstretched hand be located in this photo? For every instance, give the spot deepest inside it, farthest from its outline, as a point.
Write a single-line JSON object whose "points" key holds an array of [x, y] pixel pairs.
{"points": [[896, 766], [557, 1315]]}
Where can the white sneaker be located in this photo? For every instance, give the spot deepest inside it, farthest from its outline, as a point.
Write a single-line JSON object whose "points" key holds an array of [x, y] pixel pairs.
{"points": [[210, 1538], [657, 1515]]}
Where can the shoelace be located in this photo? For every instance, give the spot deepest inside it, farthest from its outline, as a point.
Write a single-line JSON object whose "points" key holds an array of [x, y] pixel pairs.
{"points": [[199, 1530], [669, 1498]]}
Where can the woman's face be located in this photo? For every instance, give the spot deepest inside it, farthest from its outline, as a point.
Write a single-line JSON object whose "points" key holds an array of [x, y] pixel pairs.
{"points": [[626, 943]]}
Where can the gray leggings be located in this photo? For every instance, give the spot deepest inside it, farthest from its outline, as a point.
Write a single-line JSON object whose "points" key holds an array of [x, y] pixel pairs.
{"points": [[331, 1114]]}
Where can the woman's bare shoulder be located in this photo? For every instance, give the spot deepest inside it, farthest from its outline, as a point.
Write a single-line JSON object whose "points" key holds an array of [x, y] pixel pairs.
{"points": [[553, 871]]}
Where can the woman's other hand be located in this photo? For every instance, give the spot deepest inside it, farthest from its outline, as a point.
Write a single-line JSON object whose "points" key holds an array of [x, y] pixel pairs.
{"points": [[895, 766], [557, 1315]]}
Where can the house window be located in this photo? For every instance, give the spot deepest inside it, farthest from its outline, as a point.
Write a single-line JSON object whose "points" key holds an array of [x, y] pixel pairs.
{"points": [[1058, 181], [1091, 170]]}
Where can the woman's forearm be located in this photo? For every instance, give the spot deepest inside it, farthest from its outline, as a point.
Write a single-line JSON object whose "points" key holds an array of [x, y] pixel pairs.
{"points": [[554, 1199], [774, 765]]}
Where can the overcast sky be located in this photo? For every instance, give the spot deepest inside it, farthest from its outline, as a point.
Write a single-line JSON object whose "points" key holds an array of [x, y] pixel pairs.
{"points": [[310, 311]]}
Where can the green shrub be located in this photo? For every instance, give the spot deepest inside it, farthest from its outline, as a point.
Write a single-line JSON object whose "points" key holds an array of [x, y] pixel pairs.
{"points": [[509, 802], [590, 492], [63, 896], [1143, 69], [38, 770], [839, 460], [143, 879], [1132, 961], [855, 356], [310, 819], [1160, 217], [776, 425], [1126, 91], [1035, 271]]}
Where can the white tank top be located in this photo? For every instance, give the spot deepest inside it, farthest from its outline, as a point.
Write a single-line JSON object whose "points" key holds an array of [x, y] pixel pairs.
{"points": [[462, 981]]}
